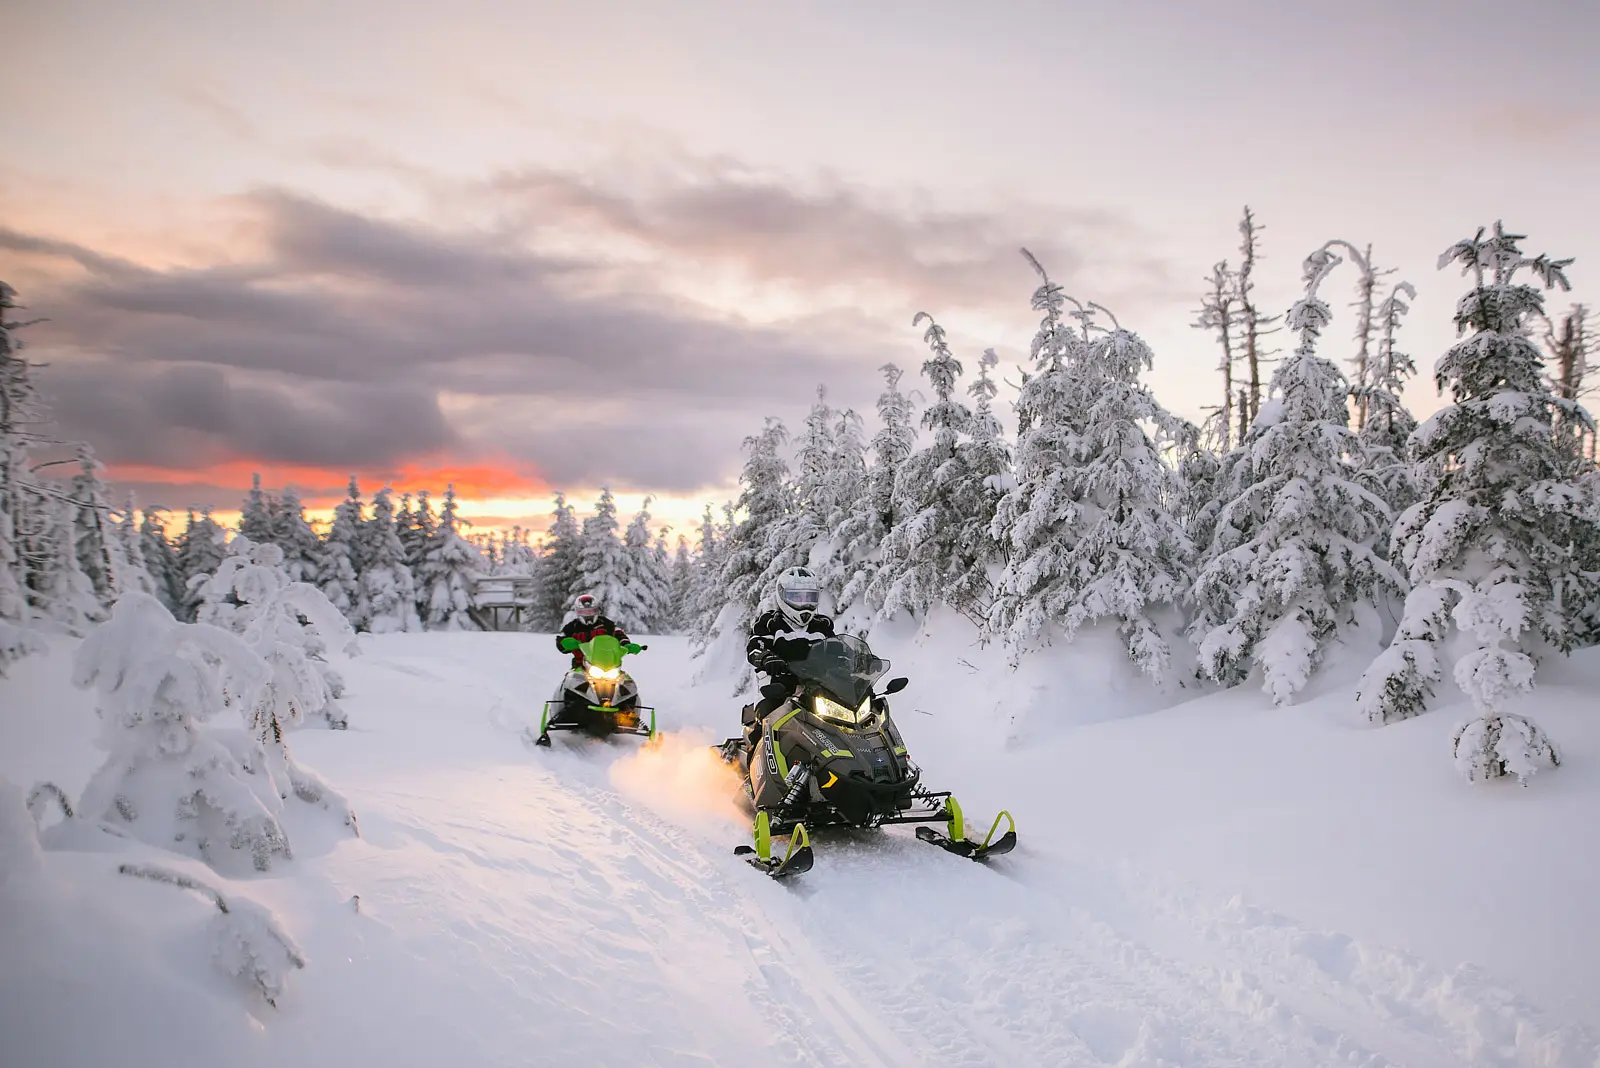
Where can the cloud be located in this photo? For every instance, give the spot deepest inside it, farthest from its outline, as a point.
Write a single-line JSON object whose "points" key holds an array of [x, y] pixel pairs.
{"points": [[547, 322]]}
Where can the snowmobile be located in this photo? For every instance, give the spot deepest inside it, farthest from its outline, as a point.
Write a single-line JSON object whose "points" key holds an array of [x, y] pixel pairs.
{"points": [[831, 756], [599, 699]]}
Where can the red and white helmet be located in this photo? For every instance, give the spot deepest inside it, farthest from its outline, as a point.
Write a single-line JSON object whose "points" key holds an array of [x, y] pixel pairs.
{"points": [[586, 608]]}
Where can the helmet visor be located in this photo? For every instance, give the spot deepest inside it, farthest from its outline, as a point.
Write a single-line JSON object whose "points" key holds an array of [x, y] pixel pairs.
{"points": [[803, 600]]}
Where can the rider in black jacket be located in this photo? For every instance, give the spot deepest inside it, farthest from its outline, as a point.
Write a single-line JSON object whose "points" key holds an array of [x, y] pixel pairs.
{"points": [[780, 635]]}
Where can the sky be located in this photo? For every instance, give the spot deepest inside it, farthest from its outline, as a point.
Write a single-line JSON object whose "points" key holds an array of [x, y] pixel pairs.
{"points": [[527, 247]]}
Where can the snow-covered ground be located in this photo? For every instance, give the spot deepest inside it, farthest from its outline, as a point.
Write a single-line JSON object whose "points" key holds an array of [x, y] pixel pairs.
{"points": [[1219, 883]]}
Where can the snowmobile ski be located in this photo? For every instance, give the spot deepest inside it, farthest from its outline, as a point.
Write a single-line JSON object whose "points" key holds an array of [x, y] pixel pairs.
{"points": [[958, 843], [797, 860]]}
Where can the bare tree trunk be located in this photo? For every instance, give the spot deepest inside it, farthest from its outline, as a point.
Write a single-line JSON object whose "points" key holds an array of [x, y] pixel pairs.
{"points": [[1255, 323], [1217, 313]]}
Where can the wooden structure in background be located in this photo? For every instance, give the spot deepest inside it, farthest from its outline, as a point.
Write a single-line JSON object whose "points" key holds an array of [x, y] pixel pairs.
{"points": [[503, 602]]}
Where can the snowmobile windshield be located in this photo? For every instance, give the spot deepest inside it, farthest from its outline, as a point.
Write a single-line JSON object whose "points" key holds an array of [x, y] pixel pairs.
{"points": [[603, 653], [842, 666]]}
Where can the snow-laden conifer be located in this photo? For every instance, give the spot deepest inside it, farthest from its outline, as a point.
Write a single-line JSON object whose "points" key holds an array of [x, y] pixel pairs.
{"points": [[983, 476], [339, 573], [302, 549], [1386, 430], [919, 554], [201, 548], [91, 528], [445, 579], [256, 520], [603, 568], [66, 595], [170, 778], [161, 560], [292, 626], [683, 581], [1292, 557], [1128, 557], [875, 514], [1490, 549], [560, 566], [128, 542], [766, 502], [1033, 518], [709, 589], [388, 590], [843, 560], [647, 593]]}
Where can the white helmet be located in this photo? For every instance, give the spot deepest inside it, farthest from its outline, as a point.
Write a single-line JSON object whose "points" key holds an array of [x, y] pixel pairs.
{"points": [[799, 593]]}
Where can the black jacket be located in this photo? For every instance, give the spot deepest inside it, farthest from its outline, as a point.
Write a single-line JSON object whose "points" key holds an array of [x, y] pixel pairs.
{"points": [[768, 627], [582, 631]]}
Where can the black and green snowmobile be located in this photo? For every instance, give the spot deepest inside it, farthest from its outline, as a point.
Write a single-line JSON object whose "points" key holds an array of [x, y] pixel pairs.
{"points": [[831, 756], [599, 699]]}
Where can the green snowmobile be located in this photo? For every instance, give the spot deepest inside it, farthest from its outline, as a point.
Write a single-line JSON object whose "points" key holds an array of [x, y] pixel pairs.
{"points": [[599, 699], [831, 756]]}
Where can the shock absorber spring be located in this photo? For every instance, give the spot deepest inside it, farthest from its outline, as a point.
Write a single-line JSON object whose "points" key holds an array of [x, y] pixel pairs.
{"points": [[797, 778]]}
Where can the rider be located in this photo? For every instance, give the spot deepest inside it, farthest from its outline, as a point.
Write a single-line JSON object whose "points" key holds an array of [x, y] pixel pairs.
{"points": [[586, 624], [796, 618]]}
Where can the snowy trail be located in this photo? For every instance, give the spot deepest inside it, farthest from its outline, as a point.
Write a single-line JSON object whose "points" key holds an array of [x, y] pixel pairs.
{"points": [[590, 893]]}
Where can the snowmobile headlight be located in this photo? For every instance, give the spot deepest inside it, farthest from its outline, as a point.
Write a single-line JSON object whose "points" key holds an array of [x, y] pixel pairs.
{"points": [[603, 673], [828, 709]]}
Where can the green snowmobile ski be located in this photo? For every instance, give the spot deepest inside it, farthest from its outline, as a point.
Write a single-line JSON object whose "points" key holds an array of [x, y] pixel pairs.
{"points": [[831, 756]]}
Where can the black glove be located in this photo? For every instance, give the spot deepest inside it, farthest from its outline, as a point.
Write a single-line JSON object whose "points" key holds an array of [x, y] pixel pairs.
{"points": [[776, 668]]}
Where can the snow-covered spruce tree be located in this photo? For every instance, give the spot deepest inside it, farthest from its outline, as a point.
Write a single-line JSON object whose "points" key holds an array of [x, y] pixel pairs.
{"points": [[388, 590], [339, 573], [291, 625], [66, 595], [644, 579], [983, 476], [1386, 432], [684, 579], [767, 503], [21, 411], [892, 445], [445, 579], [919, 555], [560, 566], [804, 539], [1033, 518], [200, 550], [132, 572], [851, 541], [256, 517], [1128, 557], [302, 549], [425, 528], [603, 565], [1490, 549], [168, 779], [1292, 556], [91, 528], [710, 592], [161, 560]]}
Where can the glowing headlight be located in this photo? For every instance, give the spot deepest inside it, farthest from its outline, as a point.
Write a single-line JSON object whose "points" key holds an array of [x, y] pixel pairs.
{"points": [[833, 710], [603, 673]]}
